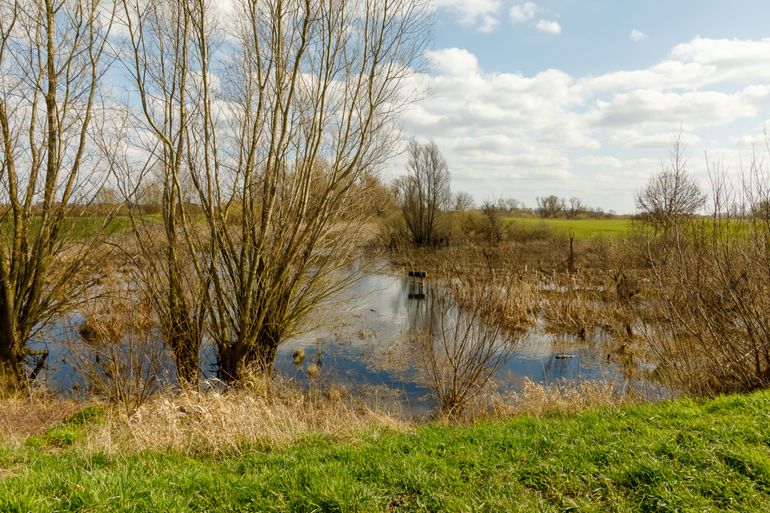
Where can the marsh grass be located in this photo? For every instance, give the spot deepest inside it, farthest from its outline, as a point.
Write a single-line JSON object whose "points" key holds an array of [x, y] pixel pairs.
{"points": [[259, 412], [563, 398]]}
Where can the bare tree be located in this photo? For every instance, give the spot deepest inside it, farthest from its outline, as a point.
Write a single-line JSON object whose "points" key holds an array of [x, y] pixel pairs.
{"points": [[671, 194], [312, 98], [424, 191], [550, 206], [276, 140], [462, 201], [510, 205], [576, 208], [50, 64]]}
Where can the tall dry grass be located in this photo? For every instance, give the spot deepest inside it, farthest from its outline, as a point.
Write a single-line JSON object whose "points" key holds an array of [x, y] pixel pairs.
{"points": [[540, 400], [258, 413]]}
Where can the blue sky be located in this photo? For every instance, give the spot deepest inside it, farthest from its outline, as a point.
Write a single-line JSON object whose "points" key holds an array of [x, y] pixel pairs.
{"points": [[595, 33], [581, 98]]}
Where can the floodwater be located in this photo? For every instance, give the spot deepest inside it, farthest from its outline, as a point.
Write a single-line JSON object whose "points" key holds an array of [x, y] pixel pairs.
{"points": [[363, 348]]}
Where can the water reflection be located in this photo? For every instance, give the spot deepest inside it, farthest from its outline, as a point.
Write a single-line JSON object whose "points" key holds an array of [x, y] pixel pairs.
{"points": [[364, 345]]}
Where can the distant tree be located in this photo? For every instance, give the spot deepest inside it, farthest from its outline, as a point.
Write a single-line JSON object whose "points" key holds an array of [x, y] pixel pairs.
{"points": [[550, 206], [510, 204], [761, 209], [576, 208], [106, 196], [493, 220], [424, 191], [462, 201], [671, 193]]}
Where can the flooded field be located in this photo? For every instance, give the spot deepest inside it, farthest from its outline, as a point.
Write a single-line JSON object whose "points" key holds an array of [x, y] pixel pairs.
{"points": [[363, 348]]}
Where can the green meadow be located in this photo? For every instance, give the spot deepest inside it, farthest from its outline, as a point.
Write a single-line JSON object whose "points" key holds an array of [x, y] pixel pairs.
{"points": [[578, 228]]}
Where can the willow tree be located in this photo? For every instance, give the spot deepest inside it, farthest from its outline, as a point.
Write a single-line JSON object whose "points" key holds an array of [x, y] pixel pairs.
{"points": [[277, 130], [424, 191], [313, 97], [50, 65], [163, 56]]}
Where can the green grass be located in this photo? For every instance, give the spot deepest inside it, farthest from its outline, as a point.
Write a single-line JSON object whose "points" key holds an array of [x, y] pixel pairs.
{"points": [[79, 228], [681, 456], [579, 228], [84, 227]]}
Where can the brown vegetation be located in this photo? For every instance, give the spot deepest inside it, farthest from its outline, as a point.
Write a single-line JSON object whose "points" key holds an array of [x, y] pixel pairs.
{"points": [[258, 412]]}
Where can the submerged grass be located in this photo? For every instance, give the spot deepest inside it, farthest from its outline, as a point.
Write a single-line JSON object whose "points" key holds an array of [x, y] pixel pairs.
{"points": [[711, 455]]}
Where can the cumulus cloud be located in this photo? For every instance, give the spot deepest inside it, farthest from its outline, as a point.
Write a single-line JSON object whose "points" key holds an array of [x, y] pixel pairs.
{"points": [[481, 14], [598, 137], [664, 108], [452, 61], [637, 35], [522, 13], [548, 26]]}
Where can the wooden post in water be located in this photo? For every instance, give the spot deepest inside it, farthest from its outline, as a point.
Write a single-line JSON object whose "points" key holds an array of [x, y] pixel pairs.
{"points": [[416, 286]]}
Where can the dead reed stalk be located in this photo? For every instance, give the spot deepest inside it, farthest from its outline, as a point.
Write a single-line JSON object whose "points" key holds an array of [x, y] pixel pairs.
{"points": [[259, 413]]}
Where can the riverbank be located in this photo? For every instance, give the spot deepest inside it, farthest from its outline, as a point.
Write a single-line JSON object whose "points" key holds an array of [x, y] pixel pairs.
{"points": [[684, 455]]}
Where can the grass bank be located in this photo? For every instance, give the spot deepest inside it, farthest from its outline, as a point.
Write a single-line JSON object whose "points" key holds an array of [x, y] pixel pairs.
{"points": [[680, 456], [579, 228]]}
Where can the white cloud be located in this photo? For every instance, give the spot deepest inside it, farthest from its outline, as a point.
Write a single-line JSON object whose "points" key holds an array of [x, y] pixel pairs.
{"points": [[597, 137], [634, 138], [600, 161], [548, 26], [481, 14], [521, 13], [488, 24], [637, 35], [453, 61], [666, 108]]}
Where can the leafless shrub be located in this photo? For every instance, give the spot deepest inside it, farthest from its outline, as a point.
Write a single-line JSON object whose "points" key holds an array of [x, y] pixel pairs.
{"points": [[460, 339], [715, 294], [121, 356], [493, 221], [462, 201]]}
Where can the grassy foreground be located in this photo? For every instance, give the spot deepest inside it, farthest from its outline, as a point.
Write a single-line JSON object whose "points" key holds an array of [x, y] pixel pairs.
{"points": [[679, 456]]}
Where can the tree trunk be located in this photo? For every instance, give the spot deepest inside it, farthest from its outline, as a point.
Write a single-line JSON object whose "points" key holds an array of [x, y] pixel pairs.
{"points": [[187, 361], [259, 357], [11, 351], [11, 361]]}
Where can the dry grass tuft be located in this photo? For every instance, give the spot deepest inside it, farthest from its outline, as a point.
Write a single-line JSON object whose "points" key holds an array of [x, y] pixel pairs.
{"points": [[562, 398], [258, 414]]}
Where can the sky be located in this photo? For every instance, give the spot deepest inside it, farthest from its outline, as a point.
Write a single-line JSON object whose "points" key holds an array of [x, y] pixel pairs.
{"points": [[581, 98]]}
